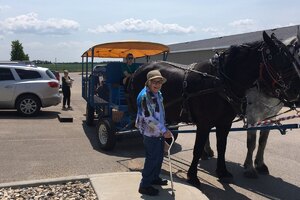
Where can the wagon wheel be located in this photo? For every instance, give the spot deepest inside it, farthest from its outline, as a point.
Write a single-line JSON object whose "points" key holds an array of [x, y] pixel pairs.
{"points": [[106, 134], [89, 115], [169, 140]]}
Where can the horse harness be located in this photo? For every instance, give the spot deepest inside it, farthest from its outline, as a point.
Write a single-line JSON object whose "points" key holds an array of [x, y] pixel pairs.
{"points": [[278, 85], [221, 90]]}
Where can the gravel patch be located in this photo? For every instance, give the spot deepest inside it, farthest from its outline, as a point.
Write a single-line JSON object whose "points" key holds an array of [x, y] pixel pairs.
{"points": [[73, 190]]}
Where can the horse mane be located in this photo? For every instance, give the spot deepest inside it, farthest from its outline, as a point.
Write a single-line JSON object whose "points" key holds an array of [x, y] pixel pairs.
{"points": [[235, 53]]}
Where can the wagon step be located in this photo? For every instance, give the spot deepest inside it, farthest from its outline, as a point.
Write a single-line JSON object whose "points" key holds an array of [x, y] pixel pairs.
{"points": [[65, 118]]}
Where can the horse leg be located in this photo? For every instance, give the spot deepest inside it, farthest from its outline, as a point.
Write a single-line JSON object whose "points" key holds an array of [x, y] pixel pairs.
{"points": [[207, 152], [201, 137], [250, 172], [222, 132], [260, 166]]}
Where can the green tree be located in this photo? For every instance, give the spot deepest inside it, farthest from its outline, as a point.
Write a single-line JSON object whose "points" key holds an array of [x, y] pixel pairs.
{"points": [[17, 53]]}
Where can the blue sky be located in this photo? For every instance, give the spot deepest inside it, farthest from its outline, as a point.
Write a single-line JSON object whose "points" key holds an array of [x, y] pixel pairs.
{"points": [[62, 30]]}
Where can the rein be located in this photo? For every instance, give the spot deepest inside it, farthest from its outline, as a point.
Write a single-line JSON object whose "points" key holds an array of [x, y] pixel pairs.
{"points": [[269, 121], [276, 78], [201, 92], [185, 95], [190, 69]]}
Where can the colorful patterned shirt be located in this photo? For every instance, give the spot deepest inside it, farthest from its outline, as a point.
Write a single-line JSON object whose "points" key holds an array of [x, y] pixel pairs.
{"points": [[151, 114]]}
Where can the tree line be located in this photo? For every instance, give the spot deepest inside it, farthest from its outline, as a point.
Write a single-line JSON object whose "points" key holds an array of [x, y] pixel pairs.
{"points": [[17, 54]]}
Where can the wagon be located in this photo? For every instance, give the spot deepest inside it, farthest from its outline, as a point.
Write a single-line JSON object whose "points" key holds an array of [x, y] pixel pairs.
{"points": [[103, 91]]}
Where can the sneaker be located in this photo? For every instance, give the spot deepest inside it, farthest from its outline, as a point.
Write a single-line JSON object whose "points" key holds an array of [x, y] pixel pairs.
{"points": [[70, 108], [160, 181], [151, 191], [64, 108]]}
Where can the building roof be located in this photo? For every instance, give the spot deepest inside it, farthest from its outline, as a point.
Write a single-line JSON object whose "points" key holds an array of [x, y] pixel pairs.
{"points": [[226, 41]]}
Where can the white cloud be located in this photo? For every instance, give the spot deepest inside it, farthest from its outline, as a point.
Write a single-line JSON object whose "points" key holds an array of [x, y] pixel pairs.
{"points": [[242, 23], [30, 23], [243, 26], [139, 26], [215, 32]]}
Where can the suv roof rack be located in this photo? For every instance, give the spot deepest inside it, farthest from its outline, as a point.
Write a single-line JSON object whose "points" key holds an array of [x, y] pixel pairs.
{"points": [[19, 63]]}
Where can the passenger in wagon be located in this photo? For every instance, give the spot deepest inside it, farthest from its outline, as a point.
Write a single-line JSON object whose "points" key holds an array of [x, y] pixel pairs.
{"points": [[151, 123], [128, 68]]}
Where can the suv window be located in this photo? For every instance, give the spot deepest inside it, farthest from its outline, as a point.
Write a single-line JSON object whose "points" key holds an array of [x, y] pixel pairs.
{"points": [[5, 74], [50, 74], [28, 74]]}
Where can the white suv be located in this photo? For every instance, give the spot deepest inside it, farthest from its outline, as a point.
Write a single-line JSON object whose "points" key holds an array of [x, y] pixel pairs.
{"points": [[27, 88]]}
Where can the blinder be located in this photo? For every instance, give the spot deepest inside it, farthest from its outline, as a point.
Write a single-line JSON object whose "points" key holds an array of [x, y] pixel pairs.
{"points": [[281, 79]]}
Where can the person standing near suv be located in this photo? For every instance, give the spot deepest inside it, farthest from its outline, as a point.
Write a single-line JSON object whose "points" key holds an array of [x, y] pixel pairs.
{"points": [[66, 90]]}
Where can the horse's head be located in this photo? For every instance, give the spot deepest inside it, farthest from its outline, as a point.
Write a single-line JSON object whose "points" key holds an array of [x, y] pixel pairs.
{"points": [[280, 70]]}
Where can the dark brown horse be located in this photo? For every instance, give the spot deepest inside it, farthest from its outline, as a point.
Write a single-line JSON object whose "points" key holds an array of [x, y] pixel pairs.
{"points": [[210, 94]]}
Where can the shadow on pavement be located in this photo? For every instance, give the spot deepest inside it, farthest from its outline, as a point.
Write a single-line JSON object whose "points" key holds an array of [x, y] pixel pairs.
{"points": [[130, 146], [267, 186], [13, 114]]}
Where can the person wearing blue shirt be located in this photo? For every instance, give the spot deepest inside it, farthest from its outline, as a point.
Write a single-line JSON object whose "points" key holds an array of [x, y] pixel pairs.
{"points": [[151, 123]]}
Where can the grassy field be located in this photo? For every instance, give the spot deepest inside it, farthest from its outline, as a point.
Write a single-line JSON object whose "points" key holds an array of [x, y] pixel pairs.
{"points": [[60, 67]]}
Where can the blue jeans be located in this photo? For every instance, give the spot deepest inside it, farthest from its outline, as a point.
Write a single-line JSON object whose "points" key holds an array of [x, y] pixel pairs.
{"points": [[154, 155]]}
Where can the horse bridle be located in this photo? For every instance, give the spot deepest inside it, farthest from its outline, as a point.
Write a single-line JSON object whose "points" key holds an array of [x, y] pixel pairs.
{"points": [[279, 85]]}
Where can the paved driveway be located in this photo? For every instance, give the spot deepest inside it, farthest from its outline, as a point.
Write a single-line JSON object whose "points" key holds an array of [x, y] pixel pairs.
{"points": [[42, 147]]}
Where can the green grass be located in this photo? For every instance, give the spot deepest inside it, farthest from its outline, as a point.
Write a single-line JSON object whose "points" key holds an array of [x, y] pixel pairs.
{"points": [[60, 67]]}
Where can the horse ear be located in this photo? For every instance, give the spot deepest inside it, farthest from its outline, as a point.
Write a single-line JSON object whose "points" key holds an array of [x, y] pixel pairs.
{"points": [[269, 41], [273, 36]]}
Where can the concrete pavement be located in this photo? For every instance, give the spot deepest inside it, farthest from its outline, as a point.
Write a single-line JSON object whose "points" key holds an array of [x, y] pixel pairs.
{"points": [[122, 186]]}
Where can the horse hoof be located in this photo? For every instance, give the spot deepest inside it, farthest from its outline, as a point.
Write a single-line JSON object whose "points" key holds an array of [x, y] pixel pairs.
{"points": [[210, 153], [226, 179], [194, 182], [224, 176], [204, 156], [262, 170], [251, 174]]}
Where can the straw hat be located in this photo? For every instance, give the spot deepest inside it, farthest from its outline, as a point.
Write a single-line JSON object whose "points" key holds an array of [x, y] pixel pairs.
{"points": [[153, 75]]}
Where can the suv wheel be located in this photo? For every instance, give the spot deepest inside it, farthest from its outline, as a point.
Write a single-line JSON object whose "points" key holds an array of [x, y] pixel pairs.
{"points": [[28, 105]]}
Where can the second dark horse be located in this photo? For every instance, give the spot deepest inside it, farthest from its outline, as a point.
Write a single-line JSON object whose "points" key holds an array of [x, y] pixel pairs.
{"points": [[210, 94]]}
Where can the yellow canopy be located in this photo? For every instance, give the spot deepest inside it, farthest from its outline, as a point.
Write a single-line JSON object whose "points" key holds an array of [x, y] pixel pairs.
{"points": [[121, 49]]}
